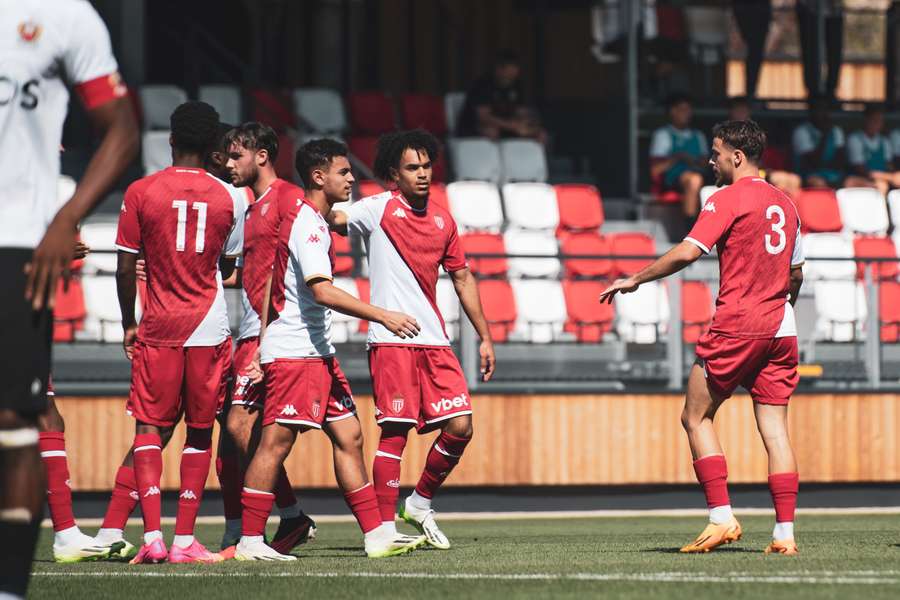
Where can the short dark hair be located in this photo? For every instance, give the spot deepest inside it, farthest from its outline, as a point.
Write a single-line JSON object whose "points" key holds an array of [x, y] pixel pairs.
{"points": [[746, 136], [391, 147], [677, 98], [315, 154], [221, 135], [194, 127], [254, 135], [738, 101]]}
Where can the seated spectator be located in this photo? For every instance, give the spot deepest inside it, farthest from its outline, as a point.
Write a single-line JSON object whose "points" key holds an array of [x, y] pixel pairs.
{"points": [[870, 154], [818, 147], [679, 154], [495, 105], [786, 181]]}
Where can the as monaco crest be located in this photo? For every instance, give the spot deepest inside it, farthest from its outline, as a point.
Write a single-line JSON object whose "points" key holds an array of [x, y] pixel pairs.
{"points": [[29, 31], [397, 404], [316, 407], [264, 209], [439, 221]]}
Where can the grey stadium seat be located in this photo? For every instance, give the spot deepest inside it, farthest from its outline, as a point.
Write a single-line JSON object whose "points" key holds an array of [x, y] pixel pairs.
{"points": [[226, 99], [320, 110], [475, 159], [453, 106], [158, 102], [156, 153], [523, 160]]}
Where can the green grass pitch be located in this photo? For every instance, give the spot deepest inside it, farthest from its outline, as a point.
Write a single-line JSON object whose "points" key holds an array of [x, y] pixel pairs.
{"points": [[841, 557]]}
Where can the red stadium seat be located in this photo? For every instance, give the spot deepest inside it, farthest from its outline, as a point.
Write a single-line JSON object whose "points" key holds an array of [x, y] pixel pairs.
{"points": [[587, 318], [438, 195], [775, 158], [370, 187], [425, 111], [363, 147], [70, 310], [696, 310], [284, 163], [662, 195], [819, 211], [343, 265], [499, 307], [586, 242], [439, 168], [875, 247], [63, 331], [371, 113], [889, 309], [362, 286], [632, 244], [485, 243], [580, 207], [274, 108]]}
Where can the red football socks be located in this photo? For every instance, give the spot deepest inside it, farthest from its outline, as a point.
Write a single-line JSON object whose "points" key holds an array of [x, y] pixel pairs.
{"points": [[784, 487], [442, 457], [195, 461], [147, 473], [123, 500], [386, 472], [257, 506], [231, 481], [364, 505], [59, 495], [284, 493], [712, 473]]}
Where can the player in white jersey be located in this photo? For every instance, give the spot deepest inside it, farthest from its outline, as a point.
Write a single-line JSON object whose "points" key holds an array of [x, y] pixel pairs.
{"points": [[44, 48], [416, 382]]}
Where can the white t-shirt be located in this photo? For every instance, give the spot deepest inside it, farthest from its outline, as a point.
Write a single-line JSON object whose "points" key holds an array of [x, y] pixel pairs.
{"points": [[860, 146], [45, 45], [806, 137]]}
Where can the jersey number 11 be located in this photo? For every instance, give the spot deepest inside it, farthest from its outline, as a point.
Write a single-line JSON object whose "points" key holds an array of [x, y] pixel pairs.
{"points": [[182, 206]]}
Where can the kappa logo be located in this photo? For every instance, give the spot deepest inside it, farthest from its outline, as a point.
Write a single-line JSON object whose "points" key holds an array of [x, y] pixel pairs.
{"points": [[399, 213], [710, 207], [299, 201], [313, 239], [69, 483], [188, 495], [394, 483], [289, 411], [124, 208], [264, 209], [439, 221], [29, 31], [153, 491], [397, 404], [445, 404], [316, 408]]}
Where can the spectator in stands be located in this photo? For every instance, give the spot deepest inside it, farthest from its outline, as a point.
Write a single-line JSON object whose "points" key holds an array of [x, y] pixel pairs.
{"points": [[818, 146], [495, 104], [808, 28], [679, 154], [752, 18], [870, 153], [786, 181]]}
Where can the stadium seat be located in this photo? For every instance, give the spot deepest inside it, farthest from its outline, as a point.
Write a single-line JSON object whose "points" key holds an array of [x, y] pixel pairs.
{"points": [[875, 247], [523, 160], [586, 242], [580, 207], [587, 318], [343, 265], [631, 244], [485, 243], [530, 206], [841, 306], [863, 210], [226, 99], [499, 307], [662, 195], [889, 311], [320, 110], [273, 107], [453, 106], [69, 311], [100, 237], [534, 243], [643, 314], [424, 110], [63, 331], [158, 102], [439, 170], [819, 211], [156, 152], [828, 245], [475, 205], [894, 208], [438, 195], [284, 162], [541, 308], [369, 187], [344, 327], [696, 310], [364, 148], [448, 304], [103, 321], [475, 159], [707, 191], [371, 113], [775, 158]]}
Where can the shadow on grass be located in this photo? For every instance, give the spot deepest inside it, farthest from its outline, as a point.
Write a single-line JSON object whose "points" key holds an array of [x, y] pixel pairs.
{"points": [[727, 550]]}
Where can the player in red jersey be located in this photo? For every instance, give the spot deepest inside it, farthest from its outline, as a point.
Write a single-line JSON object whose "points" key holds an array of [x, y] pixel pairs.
{"points": [[417, 382], [252, 150], [183, 220], [305, 387], [752, 341]]}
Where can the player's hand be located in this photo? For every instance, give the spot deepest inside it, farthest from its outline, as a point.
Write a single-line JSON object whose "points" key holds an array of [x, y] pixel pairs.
{"points": [[50, 261], [626, 286], [128, 341], [81, 250], [254, 369], [401, 325], [486, 350], [140, 269]]}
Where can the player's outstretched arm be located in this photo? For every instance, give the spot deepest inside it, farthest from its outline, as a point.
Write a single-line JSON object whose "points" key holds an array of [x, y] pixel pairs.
{"points": [[337, 221], [126, 287], [671, 262], [115, 120], [466, 287], [327, 294]]}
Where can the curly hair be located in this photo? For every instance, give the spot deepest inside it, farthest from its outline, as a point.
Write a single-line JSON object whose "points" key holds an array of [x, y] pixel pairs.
{"points": [[254, 135], [315, 154], [391, 147], [746, 136], [195, 127]]}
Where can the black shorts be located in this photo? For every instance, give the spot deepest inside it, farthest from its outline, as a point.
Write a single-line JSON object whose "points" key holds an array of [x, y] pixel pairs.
{"points": [[25, 339]]}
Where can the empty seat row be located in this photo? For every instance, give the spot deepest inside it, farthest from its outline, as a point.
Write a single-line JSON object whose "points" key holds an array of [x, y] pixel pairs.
{"points": [[819, 247], [853, 210], [481, 159]]}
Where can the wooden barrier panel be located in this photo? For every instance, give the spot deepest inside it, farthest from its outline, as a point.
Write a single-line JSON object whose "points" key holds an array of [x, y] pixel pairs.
{"points": [[557, 440]]}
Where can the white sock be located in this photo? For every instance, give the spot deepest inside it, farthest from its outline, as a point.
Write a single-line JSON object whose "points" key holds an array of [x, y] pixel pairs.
{"points": [[390, 527], [249, 540], [149, 536], [290, 512], [783, 531], [68, 536], [720, 514], [419, 502], [183, 541], [378, 536], [109, 535], [232, 528]]}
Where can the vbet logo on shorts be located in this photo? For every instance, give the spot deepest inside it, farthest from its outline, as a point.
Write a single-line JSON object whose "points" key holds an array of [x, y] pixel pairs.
{"points": [[445, 404]]}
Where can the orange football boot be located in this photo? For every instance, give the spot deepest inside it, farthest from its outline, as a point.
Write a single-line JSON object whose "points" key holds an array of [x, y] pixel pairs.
{"points": [[714, 536], [786, 547]]}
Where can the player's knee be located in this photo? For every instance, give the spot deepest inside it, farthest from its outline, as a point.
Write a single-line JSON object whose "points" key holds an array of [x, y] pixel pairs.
{"points": [[165, 434], [199, 439], [690, 420], [51, 419], [460, 427], [349, 439]]}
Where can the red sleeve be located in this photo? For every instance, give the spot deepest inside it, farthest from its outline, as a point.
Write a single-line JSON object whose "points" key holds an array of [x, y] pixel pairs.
{"points": [[454, 257], [128, 238], [715, 219]]}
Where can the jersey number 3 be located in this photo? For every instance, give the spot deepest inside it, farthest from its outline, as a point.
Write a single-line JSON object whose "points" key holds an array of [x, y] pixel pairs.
{"points": [[777, 231], [200, 241]]}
